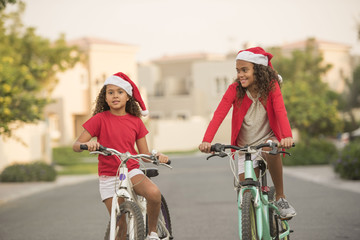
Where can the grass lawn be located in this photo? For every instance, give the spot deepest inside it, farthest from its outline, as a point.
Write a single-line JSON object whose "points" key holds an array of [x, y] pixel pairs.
{"points": [[68, 162]]}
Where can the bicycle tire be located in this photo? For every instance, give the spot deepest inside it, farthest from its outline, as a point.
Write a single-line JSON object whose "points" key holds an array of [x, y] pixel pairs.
{"points": [[131, 212], [275, 223], [164, 217], [248, 218]]}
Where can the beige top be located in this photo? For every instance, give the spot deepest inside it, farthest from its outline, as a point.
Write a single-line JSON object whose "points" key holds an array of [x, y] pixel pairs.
{"points": [[255, 128]]}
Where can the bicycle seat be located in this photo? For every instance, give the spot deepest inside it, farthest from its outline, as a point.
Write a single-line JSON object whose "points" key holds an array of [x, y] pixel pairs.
{"points": [[150, 172]]}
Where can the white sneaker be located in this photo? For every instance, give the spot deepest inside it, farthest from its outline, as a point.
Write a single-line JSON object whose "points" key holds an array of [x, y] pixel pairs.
{"points": [[286, 210], [153, 236]]}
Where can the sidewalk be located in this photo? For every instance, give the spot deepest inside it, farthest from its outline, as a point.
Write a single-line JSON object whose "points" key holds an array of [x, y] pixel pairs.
{"points": [[319, 174], [13, 191], [323, 174]]}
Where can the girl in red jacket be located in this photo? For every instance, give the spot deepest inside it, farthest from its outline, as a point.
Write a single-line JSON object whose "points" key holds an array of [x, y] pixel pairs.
{"points": [[259, 114]]}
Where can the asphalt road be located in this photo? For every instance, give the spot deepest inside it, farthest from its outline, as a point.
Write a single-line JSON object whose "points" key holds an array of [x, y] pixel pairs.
{"points": [[202, 205]]}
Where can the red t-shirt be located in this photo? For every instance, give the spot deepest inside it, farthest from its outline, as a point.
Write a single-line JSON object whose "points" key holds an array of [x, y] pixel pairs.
{"points": [[117, 132]]}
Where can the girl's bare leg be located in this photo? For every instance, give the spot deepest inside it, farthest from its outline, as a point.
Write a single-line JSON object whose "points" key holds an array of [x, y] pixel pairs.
{"points": [[276, 172], [145, 187]]}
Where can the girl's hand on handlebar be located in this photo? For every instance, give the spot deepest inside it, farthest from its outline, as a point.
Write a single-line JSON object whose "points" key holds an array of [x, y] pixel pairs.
{"points": [[92, 146], [205, 147], [162, 158], [286, 142]]}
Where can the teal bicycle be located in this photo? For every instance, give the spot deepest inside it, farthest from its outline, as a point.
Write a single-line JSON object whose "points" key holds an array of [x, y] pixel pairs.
{"points": [[259, 218]]}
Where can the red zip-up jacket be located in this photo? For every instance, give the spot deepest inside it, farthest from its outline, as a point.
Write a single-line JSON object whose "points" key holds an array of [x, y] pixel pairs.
{"points": [[275, 109]]}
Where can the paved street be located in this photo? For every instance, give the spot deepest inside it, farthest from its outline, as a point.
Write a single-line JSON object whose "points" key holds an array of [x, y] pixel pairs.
{"points": [[201, 200]]}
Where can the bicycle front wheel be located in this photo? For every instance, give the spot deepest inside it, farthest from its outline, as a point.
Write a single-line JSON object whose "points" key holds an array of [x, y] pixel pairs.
{"points": [[129, 223], [164, 229], [248, 218]]}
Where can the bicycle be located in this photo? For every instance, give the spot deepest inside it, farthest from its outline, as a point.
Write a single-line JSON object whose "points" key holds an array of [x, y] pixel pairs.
{"points": [[129, 219], [259, 218]]}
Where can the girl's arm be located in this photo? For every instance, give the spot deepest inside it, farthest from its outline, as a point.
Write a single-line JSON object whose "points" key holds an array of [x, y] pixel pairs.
{"points": [[142, 147], [220, 113], [85, 138], [281, 116]]}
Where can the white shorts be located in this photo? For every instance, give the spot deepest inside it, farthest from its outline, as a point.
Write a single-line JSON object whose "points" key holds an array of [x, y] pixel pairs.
{"points": [[241, 161], [107, 184]]}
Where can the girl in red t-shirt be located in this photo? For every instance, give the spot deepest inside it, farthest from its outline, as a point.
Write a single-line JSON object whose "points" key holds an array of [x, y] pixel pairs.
{"points": [[259, 114], [116, 123]]}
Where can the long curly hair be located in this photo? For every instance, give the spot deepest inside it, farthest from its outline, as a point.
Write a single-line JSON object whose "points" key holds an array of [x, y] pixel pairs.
{"points": [[264, 80], [132, 107]]}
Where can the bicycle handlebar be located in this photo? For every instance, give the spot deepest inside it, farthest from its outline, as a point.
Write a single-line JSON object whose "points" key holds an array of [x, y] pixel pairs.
{"points": [[219, 149], [125, 156]]}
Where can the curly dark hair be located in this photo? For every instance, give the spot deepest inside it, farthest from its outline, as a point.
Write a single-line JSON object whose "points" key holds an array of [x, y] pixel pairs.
{"points": [[264, 77], [132, 107]]}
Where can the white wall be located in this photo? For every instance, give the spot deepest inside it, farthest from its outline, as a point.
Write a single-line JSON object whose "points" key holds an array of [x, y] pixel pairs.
{"points": [[175, 135], [34, 146]]}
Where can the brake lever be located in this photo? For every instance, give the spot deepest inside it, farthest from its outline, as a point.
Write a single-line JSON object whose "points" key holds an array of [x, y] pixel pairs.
{"points": [[284, 152], [220, 154], [107, 153]]}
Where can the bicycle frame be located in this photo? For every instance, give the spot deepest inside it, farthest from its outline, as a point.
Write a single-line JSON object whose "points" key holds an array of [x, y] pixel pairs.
{"points": [[261, 203], [125, 191]]}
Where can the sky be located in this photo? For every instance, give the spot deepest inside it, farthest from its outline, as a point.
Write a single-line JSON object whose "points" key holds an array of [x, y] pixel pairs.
{"points": [[168, 27]]}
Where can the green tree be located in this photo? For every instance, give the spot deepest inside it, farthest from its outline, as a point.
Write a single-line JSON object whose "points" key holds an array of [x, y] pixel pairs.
{"points": [[4, 2], [28, 67], [311, 105], [351, 100]]}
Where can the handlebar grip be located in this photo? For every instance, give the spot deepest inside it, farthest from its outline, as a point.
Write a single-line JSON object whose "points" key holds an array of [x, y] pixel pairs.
{"points": [[217, 147], [83, 147]]}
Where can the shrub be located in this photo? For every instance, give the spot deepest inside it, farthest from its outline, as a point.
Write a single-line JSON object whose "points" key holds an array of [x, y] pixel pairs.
{"points": [[348, 163], [31, 172], [312, 152]]}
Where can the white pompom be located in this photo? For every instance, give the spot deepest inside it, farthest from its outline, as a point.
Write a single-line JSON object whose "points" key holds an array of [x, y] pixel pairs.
{"points": [[145, 113]]}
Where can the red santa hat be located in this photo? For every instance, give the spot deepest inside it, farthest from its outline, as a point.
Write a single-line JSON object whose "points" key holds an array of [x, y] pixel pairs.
{"points": [[256, 55], [122, 80]]}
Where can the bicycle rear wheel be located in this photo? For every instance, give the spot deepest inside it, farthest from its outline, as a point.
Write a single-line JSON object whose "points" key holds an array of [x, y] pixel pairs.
{"points": [[129, 223], [276, 225], [248, 218]]}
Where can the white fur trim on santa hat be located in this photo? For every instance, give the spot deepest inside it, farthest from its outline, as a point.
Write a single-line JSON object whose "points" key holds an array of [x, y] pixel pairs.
{"points": [[252, 57], [118, 81], [145, 113]]}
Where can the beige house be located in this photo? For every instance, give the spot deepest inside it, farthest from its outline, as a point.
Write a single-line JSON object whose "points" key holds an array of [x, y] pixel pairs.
{"points": [[76, 92], [74, 98], [183, 92]]}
